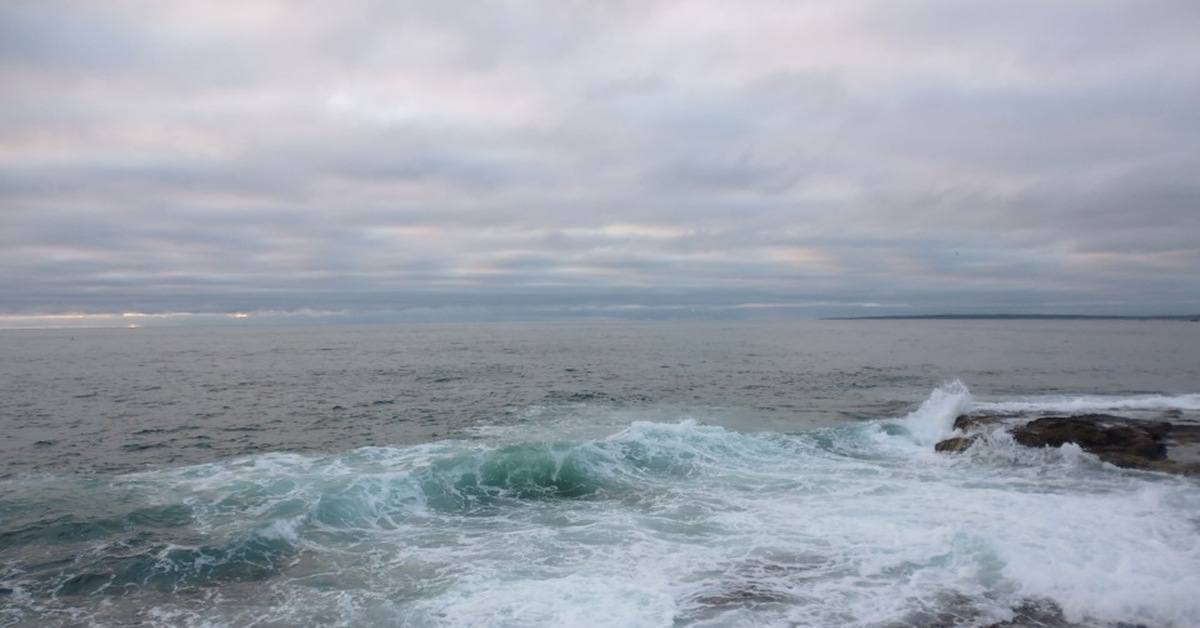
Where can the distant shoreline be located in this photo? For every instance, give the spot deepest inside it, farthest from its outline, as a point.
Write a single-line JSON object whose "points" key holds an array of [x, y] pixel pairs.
{"points": [[1007, 317]]}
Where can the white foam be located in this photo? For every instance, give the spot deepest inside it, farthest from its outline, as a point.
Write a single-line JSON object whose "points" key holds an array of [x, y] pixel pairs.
{"points": [[855, 542], [1120, 557], [577, 599], [934, 419], [1078, 404], [694, 524]]}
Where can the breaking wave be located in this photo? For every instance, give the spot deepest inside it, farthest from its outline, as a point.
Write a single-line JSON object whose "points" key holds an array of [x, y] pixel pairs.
{"points": [[655, 524]]}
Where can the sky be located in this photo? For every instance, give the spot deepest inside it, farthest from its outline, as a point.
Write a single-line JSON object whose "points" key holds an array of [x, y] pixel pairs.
{"points": [[372, 159]]}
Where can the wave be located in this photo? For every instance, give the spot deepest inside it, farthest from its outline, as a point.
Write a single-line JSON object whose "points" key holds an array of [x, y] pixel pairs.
{"points": [[934, 419], [1079, 404], [656, 523]]}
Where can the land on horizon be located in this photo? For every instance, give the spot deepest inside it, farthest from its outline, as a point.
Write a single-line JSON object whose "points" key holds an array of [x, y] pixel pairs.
{"points": [[1167, 317]]}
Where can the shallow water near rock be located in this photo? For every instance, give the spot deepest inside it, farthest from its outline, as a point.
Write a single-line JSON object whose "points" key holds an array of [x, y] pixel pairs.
{"points": [[588, 474]]}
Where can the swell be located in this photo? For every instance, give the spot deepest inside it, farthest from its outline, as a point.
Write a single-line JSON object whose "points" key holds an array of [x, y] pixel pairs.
{"points": [[244, 520], [850, 521]]}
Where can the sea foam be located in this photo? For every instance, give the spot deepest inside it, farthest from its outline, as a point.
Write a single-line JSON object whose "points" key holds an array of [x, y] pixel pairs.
{"points": [[654, 524]]}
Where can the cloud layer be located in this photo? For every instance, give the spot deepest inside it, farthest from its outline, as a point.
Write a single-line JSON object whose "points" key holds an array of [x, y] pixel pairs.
{"points": [[816, 157]]}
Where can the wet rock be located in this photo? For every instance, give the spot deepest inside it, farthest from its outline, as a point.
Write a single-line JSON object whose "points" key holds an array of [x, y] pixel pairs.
{"points": [[956, 444], [973, 425], [747, 594], [1123, 442], [977, 422], [1131, 443], [1120, 441]]}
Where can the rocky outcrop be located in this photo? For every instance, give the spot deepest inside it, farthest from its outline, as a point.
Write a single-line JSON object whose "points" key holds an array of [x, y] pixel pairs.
{"points": [[977, 422], [956, 444], [1125, 442], [1109, 437]]}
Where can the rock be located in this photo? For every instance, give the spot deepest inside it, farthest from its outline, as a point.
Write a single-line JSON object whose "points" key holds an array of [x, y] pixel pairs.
{"points": [[1122, 441], [976, 422], [1133, 443], [1128, 443], [972, 425], [956, 444]]}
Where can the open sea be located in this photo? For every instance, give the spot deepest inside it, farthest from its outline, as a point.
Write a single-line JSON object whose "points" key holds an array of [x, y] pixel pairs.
{"points": [[624, 474]]}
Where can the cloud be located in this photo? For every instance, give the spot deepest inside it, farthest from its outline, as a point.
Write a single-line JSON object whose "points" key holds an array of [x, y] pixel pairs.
{"points": [[382, 156]]}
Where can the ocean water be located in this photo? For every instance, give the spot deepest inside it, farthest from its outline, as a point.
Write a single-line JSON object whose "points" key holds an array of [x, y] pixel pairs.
{"points": [[587, 474]]}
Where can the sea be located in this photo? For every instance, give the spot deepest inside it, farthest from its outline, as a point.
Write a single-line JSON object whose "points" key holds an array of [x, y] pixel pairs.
{"points": [[588, 473]]}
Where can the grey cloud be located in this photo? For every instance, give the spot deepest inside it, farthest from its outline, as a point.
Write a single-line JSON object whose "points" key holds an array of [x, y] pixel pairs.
{"points": [[71, 37], [555, 155], [705, 173]]}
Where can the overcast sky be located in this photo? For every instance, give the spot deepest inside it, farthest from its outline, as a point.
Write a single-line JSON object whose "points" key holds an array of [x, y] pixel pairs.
{"points": [[507, 157]]}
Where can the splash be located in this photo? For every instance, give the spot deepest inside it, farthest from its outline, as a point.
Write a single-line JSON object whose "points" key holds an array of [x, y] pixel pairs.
{"points": [[934, 419], [654, 524]]}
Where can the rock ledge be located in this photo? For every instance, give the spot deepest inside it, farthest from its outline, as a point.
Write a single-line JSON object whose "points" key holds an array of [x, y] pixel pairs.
{"points": [[1131, 443]]}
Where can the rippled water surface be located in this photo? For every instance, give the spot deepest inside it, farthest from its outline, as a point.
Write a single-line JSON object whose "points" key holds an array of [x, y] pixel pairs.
{"points": [[621, 474]]}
